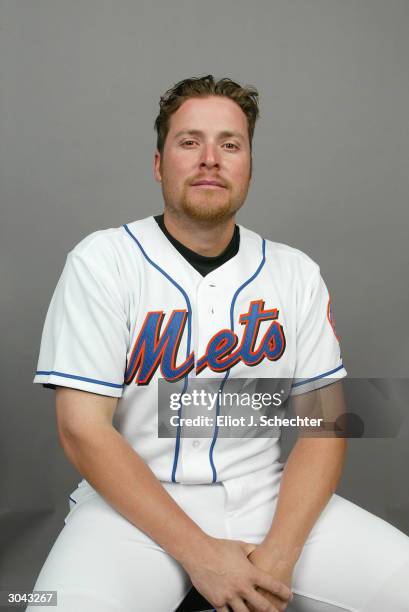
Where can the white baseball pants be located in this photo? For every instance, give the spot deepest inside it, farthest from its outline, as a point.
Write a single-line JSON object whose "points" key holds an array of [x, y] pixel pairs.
{"points": [[352, 561]]}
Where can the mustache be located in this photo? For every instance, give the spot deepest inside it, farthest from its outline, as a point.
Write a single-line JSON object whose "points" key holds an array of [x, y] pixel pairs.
{"points": [[213, 179]]}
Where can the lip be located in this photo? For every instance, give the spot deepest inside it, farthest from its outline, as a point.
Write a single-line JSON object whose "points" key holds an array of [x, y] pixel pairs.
{"points": [[209, 183]]}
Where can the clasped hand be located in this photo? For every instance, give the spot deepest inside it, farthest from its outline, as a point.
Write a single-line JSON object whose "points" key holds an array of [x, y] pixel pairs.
{"points": [[229, 575]]}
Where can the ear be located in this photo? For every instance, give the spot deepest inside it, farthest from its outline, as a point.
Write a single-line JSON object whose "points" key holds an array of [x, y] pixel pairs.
{"points": [[156, 167]]}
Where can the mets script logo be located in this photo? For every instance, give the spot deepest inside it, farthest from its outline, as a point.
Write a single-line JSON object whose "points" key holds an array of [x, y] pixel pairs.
{"points": [[156, 348]]}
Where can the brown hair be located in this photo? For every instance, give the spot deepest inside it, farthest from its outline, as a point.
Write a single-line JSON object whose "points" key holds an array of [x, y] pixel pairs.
{"points": [[201, 87]]}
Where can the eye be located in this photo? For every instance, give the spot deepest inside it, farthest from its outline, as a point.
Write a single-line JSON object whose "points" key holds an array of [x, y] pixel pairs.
{"points": [[188, 143], [231, 146]]}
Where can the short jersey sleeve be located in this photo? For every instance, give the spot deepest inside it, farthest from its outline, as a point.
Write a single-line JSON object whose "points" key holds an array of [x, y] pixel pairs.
{"points": [[85, 336], [318, 352]]}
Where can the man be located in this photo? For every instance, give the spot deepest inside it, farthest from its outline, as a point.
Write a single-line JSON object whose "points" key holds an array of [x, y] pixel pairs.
{"points": [[186, 296]]}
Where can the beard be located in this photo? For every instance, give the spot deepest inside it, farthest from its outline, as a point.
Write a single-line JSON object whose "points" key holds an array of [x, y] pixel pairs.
{"points": [[206, 206]]}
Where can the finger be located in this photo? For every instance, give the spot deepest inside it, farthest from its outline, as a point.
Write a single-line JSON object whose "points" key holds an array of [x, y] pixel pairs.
{"points": [[248, 547], [268, 583], [279, 603], [238, 605], [255, 601]]}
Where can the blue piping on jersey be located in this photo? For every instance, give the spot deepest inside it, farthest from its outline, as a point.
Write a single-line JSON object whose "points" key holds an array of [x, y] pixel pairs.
{"points": [[232, 305], [307, 380], [91, 380], [189, 335]]}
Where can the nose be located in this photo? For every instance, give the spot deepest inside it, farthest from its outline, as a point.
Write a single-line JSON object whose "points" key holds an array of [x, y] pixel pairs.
{"points": [[209, 157]]}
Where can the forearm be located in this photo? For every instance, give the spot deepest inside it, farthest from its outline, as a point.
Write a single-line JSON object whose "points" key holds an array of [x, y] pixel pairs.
{"points": [[310, 477], [120, 475]]}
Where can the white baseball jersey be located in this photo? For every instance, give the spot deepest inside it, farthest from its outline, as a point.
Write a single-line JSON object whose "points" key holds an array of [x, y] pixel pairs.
{"points": [[130, 309]]}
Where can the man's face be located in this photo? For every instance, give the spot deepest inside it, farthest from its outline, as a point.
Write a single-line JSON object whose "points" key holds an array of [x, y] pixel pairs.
{"points": [[205, 165]]}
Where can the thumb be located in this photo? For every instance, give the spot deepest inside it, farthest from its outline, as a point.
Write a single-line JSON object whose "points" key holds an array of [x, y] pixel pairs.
{"points": [[247, 547]]}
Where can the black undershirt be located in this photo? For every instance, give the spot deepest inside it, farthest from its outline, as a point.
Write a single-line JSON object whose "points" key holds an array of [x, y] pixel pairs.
{"points": [[201, 263]]}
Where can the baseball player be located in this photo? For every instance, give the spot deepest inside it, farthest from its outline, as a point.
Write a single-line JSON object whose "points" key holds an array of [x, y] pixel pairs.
{"points": [[174, 298]]}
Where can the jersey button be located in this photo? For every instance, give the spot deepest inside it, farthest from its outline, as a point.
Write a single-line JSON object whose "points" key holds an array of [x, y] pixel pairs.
{"points": [[195, 443]]}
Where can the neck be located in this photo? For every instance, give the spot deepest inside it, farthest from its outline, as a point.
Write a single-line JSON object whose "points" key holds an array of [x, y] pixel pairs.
{"points": [[203, 238]]}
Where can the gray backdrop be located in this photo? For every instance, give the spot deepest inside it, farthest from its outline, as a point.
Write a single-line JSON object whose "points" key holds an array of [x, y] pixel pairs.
{"points": [[80, 84]]}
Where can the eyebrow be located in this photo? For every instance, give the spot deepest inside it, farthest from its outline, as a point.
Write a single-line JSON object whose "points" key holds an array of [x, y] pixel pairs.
{"points": [[224, 134]]}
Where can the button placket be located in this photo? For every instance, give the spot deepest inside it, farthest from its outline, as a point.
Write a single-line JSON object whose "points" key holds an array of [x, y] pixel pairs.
{"points": [[212, 286]]}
